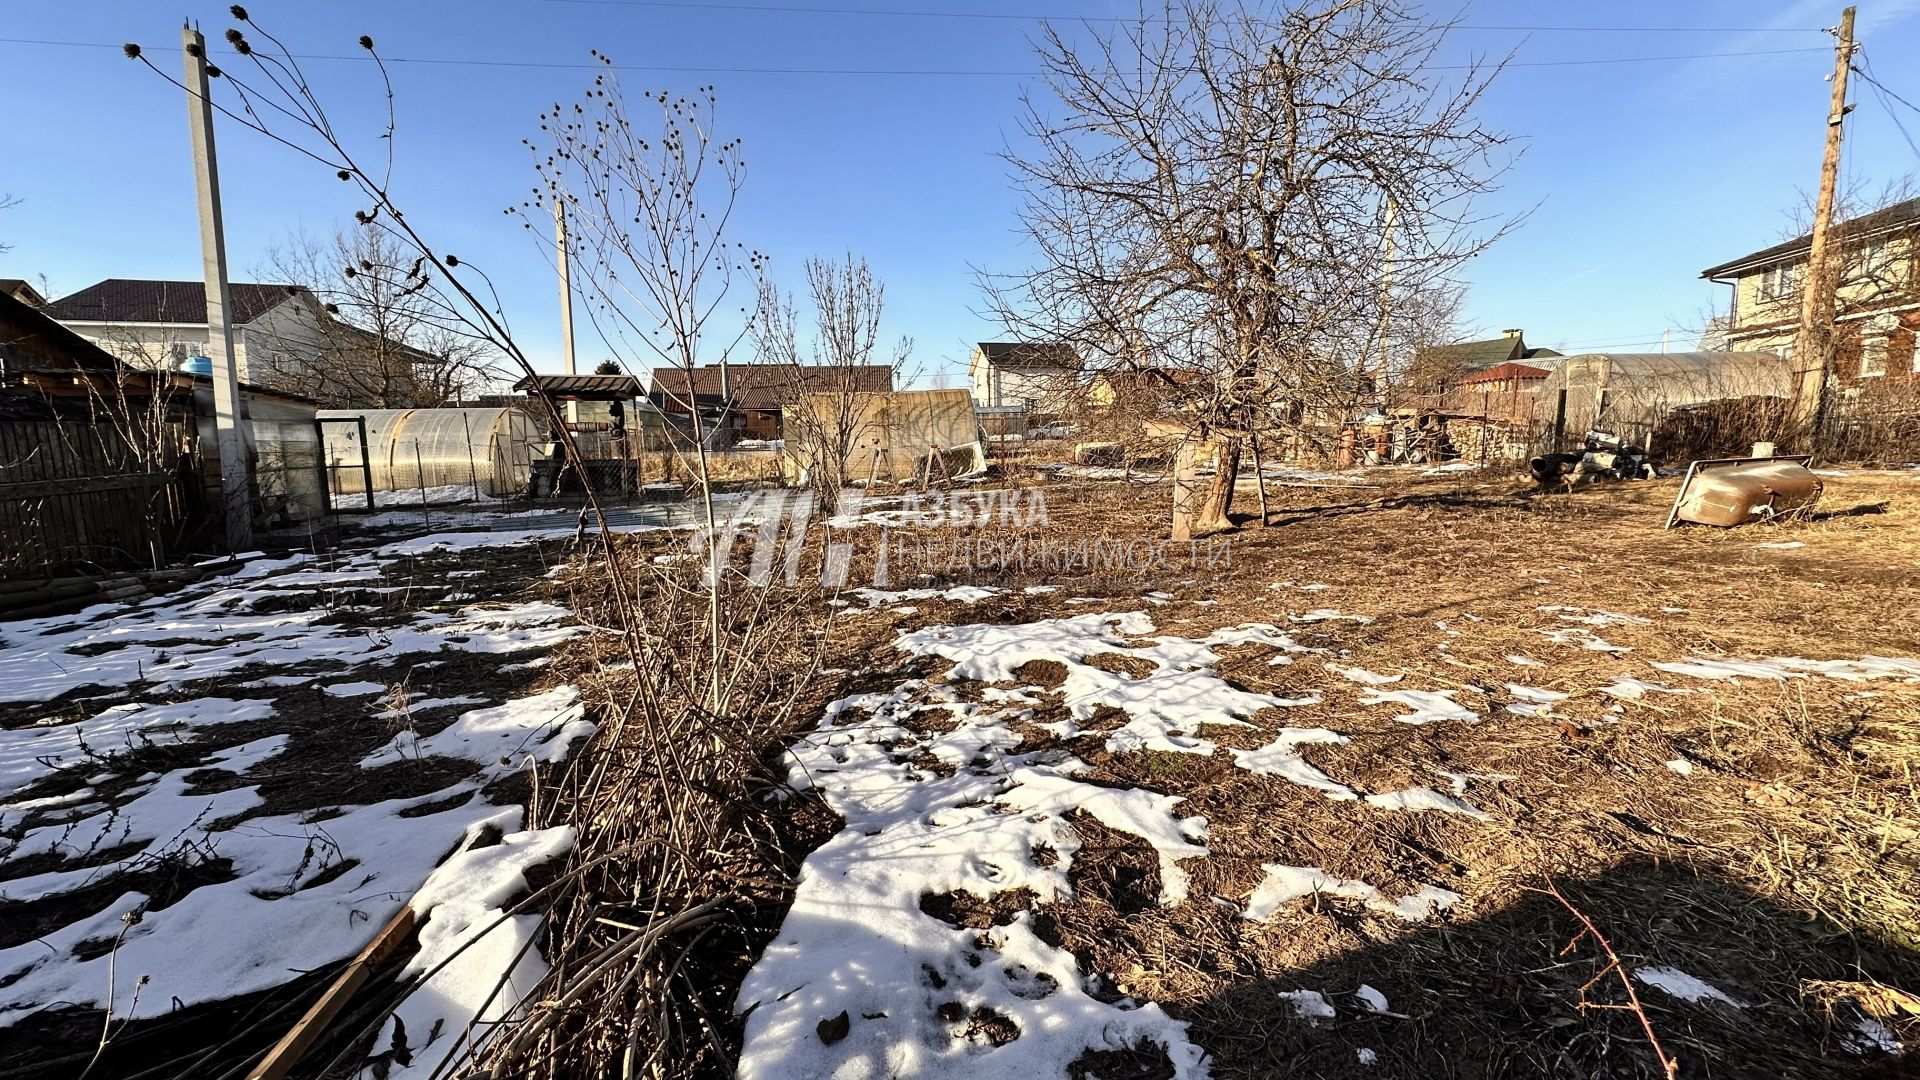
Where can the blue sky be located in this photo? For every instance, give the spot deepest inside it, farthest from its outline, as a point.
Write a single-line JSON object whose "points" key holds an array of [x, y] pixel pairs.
{"points": [[1637, 175]]}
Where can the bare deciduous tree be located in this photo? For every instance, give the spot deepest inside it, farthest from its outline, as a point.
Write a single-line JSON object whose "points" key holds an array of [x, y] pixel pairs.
{"points": [[381, 340], [7, 202], [830, 410], [1214, 189], [648, 212]]}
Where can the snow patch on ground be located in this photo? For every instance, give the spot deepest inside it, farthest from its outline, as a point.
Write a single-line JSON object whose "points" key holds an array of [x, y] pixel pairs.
{"points": [[964, 594], [1166, 709], [1627, 688], [1865, 669], [28, 754], [1281, 758], [1869, 1035], [501, 738], [1421, 798], [1309, 1005], [1329, 615], [1686, 987], [1284, 885], [1363, 676], [1429, 706], [857, 947], [274, 900], [468, 947]]}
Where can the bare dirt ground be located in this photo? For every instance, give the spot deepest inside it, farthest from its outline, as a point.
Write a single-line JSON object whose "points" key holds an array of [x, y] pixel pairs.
{"points": [[1756, 833]]}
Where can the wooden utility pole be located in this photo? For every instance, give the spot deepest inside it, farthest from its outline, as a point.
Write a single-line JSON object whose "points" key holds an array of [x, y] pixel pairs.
{"points": [[1813, 347], [236, 501]]}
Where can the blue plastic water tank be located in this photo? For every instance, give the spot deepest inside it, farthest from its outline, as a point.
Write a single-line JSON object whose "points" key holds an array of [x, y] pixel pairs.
{"points": [[197, 365]]}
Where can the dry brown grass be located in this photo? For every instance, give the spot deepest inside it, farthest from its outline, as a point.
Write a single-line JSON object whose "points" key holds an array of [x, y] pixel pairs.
{"points": [[1784, 868]]}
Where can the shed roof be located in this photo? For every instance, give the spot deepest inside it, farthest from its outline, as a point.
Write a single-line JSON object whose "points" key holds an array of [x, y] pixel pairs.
{"points": [[583, 387], [1888, 219], [1477, 354], [1506, 371], [1028, 355], [30, 341], [133, 300], [765, 386]]}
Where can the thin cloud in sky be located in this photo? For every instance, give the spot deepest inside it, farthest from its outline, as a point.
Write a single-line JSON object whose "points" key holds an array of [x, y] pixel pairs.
{"points": [[1589, 270]]}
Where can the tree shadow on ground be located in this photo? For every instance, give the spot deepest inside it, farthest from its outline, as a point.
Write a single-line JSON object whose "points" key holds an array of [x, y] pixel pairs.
{"points": [[1449, 500], [1861, 510], [1519, 991]]}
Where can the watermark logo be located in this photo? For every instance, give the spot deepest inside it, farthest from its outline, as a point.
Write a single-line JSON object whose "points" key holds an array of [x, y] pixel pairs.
{"points": [[950, 534]]}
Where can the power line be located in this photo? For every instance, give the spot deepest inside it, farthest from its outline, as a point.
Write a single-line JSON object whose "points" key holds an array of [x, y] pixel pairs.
{"points": [[928, 72], [997, 16], [1880, 94], [1887, 92]]}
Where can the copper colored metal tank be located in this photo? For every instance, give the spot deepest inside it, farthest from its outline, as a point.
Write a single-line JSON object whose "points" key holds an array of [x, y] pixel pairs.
{"points": [[1734, 491]]}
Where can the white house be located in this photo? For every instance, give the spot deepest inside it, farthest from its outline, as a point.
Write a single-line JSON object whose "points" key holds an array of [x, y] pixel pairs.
{"points": [[284, 338], [1043, 377]]}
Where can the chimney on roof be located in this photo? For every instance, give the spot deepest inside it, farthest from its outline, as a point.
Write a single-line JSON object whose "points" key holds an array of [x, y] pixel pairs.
{"points": [[1513, 333]]}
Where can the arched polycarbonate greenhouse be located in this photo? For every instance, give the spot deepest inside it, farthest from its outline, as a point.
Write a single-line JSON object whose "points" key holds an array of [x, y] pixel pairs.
{"points": [[488, 452]]}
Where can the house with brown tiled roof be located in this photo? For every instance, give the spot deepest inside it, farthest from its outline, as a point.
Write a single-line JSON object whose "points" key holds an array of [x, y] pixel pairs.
{"points": [[284, 338], [749, 396]]}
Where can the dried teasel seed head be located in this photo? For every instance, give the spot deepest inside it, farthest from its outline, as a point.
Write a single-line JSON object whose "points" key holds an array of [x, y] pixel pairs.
{"points": [[132, 50], [366, 42], [238, 12]]}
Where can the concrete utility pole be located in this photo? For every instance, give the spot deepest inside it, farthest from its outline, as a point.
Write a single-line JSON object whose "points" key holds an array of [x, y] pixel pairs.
{"points": [[1813, 347], [236, 501], [565, 264], [566, 289]]}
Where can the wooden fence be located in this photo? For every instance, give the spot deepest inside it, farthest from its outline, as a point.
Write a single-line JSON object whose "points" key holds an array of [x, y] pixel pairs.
{"points": [[79, 494]]}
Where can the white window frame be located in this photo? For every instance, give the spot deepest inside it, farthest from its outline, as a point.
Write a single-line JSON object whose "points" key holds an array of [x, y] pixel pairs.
{"points": [[1875, 348], [1778, 282]]}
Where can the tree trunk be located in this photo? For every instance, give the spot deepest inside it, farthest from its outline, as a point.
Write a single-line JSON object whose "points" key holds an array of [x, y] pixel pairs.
{"points": [[1195, 512], [1218, 503]]}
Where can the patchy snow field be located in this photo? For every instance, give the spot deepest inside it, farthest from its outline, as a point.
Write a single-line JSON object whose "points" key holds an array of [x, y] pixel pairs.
{"points": [[215, 791], [969, 786]]}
